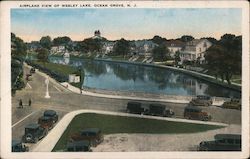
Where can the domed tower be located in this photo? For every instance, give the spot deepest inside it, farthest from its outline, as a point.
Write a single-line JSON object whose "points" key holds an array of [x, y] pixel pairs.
{"points": [[98, 33]]}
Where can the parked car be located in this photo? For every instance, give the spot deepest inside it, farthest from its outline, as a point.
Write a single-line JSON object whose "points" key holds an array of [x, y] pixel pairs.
{"points": [[201, 100], [222, 142], [232, 104], [135, 107], [46, 122], [51, 114], [33, 133], [159, 110], [32, 70], [18, 146], [77, 146], [93, 135], [196, 113]]}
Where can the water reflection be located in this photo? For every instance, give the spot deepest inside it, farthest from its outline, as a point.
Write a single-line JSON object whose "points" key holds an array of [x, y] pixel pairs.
{"points": [[131, 77]]}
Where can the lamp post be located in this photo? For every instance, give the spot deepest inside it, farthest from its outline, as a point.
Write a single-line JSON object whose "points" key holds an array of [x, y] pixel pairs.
{"points": [[47, 87]]}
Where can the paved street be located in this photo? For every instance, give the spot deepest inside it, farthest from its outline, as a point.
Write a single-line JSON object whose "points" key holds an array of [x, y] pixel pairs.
{"points": [[64, 101]]}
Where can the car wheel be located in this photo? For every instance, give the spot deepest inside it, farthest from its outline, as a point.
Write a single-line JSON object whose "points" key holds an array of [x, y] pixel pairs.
{"points": [[28, 138]]}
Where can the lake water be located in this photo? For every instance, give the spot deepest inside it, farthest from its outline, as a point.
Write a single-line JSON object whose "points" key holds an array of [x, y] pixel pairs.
{"points": [[140, 78]]}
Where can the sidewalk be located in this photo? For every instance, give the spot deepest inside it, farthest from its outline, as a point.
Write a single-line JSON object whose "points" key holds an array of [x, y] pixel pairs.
{"points": [[49, 142], [137, 96]]}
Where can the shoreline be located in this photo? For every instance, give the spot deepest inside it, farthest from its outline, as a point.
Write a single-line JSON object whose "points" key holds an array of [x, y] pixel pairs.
{"points": [[207, 78]]}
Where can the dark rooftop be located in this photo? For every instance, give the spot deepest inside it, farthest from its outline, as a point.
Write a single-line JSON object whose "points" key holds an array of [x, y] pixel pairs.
{"points": [[49, 113], [227, 136], [78, 143], [16, 142], [32, 126]]}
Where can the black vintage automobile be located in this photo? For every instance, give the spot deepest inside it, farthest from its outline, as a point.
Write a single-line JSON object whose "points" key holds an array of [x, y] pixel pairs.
{"points": [[51, 114], [18, 146], [78, 146], [135, 107], [159, 110], [33, 133], [222, 142]]}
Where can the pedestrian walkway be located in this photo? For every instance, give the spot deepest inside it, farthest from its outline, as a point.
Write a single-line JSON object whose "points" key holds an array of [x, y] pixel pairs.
{"points": [[136, 96], [49, 142]]}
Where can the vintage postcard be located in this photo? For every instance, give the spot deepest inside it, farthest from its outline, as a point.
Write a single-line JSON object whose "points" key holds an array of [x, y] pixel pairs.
{"points": [[124, 79]]}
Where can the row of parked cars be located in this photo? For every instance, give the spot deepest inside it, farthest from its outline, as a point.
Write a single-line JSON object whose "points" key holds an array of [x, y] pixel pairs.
{"points": [[35, 131], [156, 109], [203, 100]]}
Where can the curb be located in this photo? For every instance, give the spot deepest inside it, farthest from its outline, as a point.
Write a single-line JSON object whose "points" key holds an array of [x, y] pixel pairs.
{"points": [[49, 142]]}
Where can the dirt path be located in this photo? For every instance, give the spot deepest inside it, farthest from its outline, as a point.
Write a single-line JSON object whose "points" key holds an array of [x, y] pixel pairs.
{"points": [[159, 142]]}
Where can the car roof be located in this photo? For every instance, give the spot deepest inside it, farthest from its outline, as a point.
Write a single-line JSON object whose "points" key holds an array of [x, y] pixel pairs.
{"points": [[227, 136], [32, 126], [157, 105], [95, 130], [45, 118], [49, 112], [133, 102], [192, 107], [78, 143], [16, 142]]}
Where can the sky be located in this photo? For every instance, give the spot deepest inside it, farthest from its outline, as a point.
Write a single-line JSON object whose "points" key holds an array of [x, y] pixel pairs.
{"points": [[131, 24]]}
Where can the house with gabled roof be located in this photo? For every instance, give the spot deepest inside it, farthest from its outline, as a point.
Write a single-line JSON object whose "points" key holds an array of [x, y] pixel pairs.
{"points": [[174, 46], [195, 50]]}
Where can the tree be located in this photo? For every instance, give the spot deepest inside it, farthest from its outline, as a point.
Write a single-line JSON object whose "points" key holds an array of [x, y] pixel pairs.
{"points": [[43, 55], [177, 57], [18, 52], [122, 47], [224, 59], [18, 47], [61, 41], [160, 53], [92, 45], [158, 40], [186, 38], [45, 42]]}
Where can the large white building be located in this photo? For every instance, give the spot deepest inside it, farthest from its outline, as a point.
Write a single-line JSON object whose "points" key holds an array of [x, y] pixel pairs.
{"points": [[174, 46], [195, 50]]}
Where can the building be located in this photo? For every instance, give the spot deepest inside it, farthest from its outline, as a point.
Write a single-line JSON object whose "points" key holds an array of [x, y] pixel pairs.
{"points": [[195, 50], [144, 47], [97, 35], [58, 49], [174, 46], [108, 47]]}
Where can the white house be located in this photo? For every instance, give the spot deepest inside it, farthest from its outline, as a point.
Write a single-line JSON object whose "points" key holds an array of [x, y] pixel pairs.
{"points": [[144, 47], [108, 47], [58, 49], [195, 50], [174, 46]]}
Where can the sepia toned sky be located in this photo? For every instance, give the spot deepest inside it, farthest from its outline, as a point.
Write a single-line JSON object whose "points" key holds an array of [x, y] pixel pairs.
{"points": [[139, 23]]}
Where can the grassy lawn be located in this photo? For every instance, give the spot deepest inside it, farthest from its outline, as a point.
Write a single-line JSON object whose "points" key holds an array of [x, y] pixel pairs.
{"points": [[117, 124], [62, 69]]}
